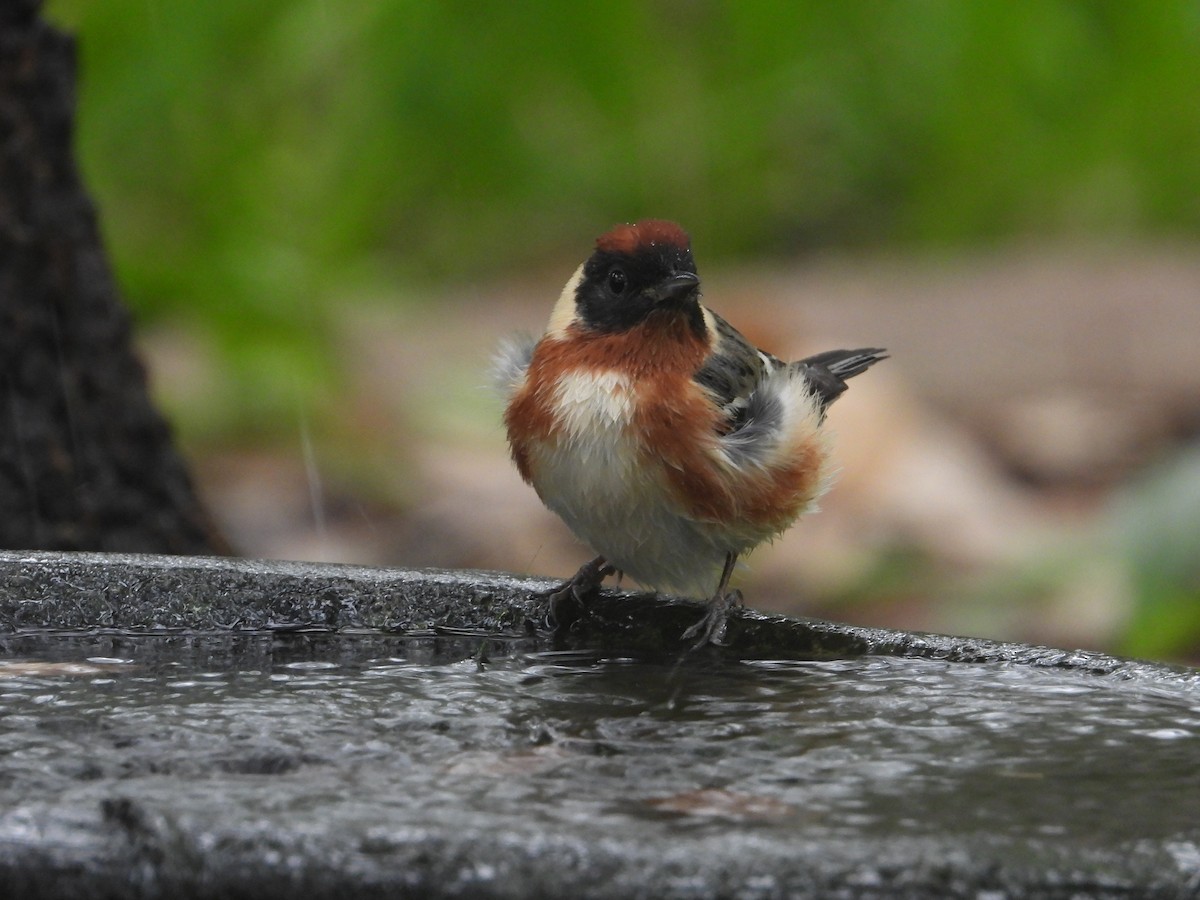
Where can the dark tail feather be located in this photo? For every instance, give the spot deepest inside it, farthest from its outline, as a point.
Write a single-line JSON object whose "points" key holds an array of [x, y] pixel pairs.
{"points": [[827, 372]]}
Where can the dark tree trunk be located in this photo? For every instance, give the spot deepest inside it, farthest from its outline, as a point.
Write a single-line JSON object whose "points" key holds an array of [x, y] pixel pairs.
{"points": [[86, 462]]}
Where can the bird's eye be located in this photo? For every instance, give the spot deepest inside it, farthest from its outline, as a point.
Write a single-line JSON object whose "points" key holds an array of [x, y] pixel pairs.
{"points": [[616, 281]]}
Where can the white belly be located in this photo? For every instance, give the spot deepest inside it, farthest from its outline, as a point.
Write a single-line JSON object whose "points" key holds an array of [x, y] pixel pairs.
{"points": [[597, 477]]}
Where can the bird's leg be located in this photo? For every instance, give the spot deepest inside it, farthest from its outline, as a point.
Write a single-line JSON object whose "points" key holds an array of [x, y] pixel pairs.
{"points": [[581, 587], [711, 629]]}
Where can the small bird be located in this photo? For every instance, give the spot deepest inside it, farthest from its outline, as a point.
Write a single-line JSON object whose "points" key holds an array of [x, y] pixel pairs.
{"points": [[665, 440]]}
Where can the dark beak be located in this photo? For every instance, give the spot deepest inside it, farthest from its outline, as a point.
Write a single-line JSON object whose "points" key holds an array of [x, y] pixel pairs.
{"points": [[678, 287]]}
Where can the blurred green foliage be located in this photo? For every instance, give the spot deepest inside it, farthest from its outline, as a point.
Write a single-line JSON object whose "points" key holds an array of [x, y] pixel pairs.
{"points": [[252, 157], [259, 164], [1155, 533]]}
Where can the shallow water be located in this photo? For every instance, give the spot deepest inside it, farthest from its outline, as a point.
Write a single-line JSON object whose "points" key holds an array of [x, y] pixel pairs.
{"points": [[367, 734]]}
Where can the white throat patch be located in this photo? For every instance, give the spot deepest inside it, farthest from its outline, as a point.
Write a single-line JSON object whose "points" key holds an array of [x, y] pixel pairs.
{"points": [[590, 402]]}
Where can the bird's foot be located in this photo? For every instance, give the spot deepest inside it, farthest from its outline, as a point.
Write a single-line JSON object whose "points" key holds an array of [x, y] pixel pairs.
{"points": [[568, 602], [711, 629]]}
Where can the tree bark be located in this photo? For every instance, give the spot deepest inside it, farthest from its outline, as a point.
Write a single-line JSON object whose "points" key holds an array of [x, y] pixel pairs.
{"points": [[86, 461]]}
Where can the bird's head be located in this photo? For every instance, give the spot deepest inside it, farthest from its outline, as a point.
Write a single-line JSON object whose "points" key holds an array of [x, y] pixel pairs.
{"points": [[635, 272]]}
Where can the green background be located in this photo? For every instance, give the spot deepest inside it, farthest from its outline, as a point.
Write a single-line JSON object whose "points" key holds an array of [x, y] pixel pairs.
{"points": [[260, 164]]}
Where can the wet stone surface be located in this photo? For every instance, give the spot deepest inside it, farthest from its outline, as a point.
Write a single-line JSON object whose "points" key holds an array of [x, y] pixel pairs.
{"points": [[358, 763]]}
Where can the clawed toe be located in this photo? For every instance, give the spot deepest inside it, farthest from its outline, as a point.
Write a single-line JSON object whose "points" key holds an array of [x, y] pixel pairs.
{"points": [[712, 628], [568, 602]]}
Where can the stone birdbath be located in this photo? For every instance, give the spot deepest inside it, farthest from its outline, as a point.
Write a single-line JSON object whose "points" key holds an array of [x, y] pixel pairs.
{"points": [[196, 727]]}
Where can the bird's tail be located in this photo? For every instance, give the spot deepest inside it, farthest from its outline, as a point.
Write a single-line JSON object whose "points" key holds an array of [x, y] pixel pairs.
{"points": [[827, 372], [847, 363]]}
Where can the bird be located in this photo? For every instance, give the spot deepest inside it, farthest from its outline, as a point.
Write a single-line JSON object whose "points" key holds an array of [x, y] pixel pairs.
{"points": [[663, 438]]}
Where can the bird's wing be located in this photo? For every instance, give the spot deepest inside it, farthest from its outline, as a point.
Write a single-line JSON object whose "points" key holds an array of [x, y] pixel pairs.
{"points": [[801, 389], [511, 362], [733, 371], [759, 475]]}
